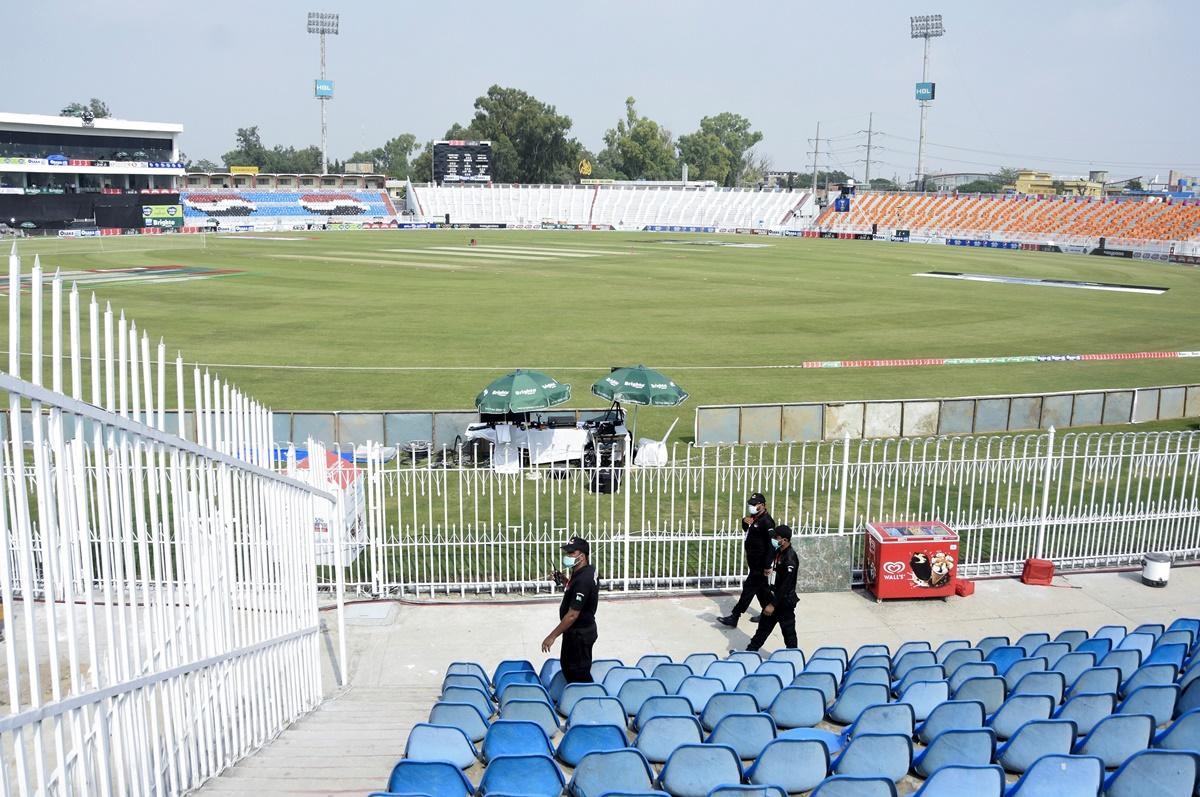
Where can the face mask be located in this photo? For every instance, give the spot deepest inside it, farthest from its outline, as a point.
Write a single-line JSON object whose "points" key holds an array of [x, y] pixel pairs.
{"points": [[774, 542], [568, 561], [753, 508]]}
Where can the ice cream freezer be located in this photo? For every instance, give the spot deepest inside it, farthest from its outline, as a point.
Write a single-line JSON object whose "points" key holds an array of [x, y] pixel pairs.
{"points": [[910, 559]]}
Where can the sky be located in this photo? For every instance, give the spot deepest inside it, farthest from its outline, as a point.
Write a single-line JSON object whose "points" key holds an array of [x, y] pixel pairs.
{"points": [[1059, 85]]}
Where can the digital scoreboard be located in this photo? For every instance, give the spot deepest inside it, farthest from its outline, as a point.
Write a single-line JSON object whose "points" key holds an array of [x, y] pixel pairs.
{"points": [[462, 162]]}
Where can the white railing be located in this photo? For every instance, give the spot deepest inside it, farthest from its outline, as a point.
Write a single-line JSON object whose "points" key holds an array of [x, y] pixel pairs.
{"points": [[158, 592], [439, 525]]}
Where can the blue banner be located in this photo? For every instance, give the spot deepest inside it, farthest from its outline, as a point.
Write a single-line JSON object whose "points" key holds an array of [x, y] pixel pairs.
{"points": [[983, 244], [676, 228]]}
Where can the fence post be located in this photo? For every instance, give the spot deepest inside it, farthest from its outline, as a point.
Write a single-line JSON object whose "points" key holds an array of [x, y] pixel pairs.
{"points": [[628, 488], [1041, 535], [845, 482]]}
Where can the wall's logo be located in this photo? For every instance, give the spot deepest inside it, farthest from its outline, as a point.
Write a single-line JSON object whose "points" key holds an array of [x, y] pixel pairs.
{"points": [[893, 567]]}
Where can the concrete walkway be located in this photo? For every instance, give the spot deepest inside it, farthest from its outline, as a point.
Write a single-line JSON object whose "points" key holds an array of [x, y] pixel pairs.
{"points": [[399, 654]]}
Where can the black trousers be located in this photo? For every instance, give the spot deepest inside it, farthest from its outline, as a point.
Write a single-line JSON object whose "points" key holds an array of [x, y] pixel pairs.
{"points": [[755, 586], [576, 655], [785, 618]]}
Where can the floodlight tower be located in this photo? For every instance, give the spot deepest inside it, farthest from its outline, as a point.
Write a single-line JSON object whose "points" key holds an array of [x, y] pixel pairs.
{"points": [[928, 26], [323, 24]]}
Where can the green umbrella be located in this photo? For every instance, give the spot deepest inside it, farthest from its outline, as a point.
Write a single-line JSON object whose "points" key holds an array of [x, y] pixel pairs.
{"points": [[639, 385], [522, 391]]}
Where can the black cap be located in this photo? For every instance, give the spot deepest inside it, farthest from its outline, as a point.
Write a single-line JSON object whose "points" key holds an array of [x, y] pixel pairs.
{"points": [[756, 498], [577, 545], [782, 532]]}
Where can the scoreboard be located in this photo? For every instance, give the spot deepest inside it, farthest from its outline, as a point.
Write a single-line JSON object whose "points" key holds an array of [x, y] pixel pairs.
{"points": [[462, 162]]}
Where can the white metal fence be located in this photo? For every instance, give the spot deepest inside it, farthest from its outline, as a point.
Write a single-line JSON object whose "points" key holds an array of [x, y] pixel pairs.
{"points": [[441, 526], [158, 592]]}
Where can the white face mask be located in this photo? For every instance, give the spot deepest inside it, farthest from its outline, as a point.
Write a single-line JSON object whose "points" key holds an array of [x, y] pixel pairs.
{"points": [[753, 508], [775, 542], [568, 561]]}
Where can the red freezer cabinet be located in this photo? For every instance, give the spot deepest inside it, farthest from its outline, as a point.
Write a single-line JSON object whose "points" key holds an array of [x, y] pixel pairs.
{"points": [[910, 559]]}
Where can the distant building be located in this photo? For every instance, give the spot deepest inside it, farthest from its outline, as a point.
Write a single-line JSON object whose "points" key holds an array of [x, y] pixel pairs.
{"points": [[1033, 182], [951, 181]]}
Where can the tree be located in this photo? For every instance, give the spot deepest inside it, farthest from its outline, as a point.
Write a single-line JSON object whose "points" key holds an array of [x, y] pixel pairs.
{"points": [[722, 148], [249, 151], [392, 158], [883, 184], [98, 109], [203, 165], [1134, 185], [981, 187], [1006, 176], [421, 169], [529, 138], [638, 148]]}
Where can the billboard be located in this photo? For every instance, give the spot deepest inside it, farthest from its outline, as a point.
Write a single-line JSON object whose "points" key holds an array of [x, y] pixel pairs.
{"points": [[162, 216], [462, 162], [926, 91], [323, 89]]}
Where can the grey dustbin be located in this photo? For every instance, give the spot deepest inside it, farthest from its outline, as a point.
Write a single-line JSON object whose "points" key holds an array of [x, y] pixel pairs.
{"points": [[1156, 569]]}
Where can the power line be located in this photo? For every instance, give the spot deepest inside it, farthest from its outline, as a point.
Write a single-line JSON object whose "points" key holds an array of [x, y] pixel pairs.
{"points": [[1046, 158]]}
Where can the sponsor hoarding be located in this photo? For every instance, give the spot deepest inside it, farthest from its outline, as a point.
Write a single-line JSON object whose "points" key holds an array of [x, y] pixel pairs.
{"points": [[323, 89]]}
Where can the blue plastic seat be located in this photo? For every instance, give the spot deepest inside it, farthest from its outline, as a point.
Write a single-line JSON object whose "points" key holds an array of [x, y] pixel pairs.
{"points": [[1073, 665], [1113, 633], [1086, 710], [467, 680], [663, 706], [958, 658], [869, 650], [824, 682], [727, 672], [855, 786], [1174, 654], [929, 672], [974, 747], [854, 699], [1189, 623], [615, 678], [1004, 657], [1126, 660], [694, 770], [513, 677], [698, 689], [785, 671], [1183, 734], [868, 675], [510, 665], [913, 658], [1157, 701], [747, 734], [834, 667], [990, 643], [1096, 680], [745, 790], [831, 652], [795, 765], [558, 683], [909, 647], [882, 718], [1060, 776], [1051, 652], [953, 715], [469, 694], [429, 778], [550, 667], [1019, 669], [966, 671], [950, 646], [1072, 636], [514, 737], [722, 704], [597, 711], [600, 668], [923, 696], [1150, 675], [648, 663], [1154, 772], [636, 691], [750, 659], [579, 740], [532, 711], [698, 662], [794, 656], [532, 775], [1018, 710], [886, 755], [463, 716], [1051, 684], [1176, 636], [1117, 737], [469, 668], [1030, 642], [524, 692], [991, 692], [960, 781], [573, 693], [440, 743], [607, 772], [1189, 698], [871, 662], [764, 687], [1140, 641], [797, 707], [662, 735], [1033, 740], [1098, 647], [672, 675], [1190, 673]]}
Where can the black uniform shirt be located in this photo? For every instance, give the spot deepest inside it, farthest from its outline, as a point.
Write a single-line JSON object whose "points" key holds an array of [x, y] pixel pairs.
{"points": [[786, 565], [583, 593], [759, 553]]}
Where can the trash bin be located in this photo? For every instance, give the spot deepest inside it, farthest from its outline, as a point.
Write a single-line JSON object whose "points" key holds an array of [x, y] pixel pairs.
{"points": [[1156, 569]]}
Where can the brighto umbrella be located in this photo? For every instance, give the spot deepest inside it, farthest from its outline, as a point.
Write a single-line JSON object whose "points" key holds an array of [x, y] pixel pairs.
{"points": [[522, 391], [638, 384]]}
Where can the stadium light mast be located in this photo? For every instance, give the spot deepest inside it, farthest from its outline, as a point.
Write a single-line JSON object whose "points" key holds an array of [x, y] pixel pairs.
{"points": [[927, 26], [323, 24]]}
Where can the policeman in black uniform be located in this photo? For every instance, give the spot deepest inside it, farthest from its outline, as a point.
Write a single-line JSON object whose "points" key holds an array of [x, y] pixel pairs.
{"points": [[576, 613], [781, 609], [759, 554]]}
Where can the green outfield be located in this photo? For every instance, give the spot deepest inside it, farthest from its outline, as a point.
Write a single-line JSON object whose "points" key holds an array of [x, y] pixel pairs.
{"points": [[406, 320]]}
